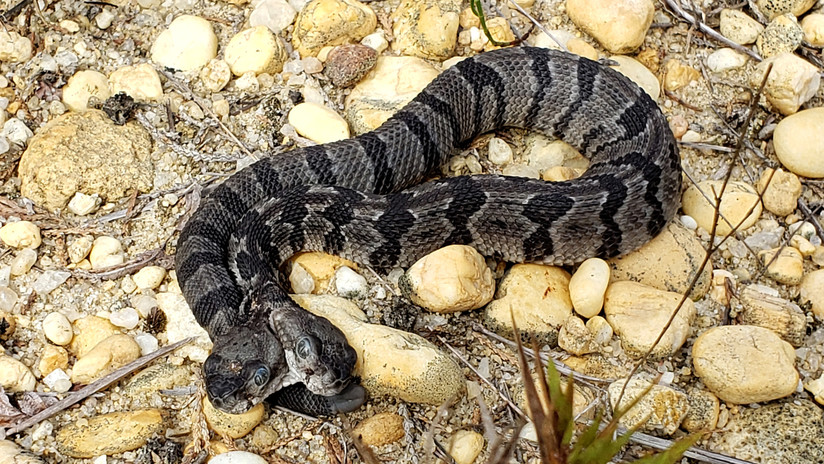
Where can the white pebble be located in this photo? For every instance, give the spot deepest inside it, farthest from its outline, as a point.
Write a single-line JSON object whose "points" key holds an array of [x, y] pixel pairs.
{"points": [[20, 234], [689, 222], [126, 318], [106, 251], [276, 15], [23, 261], [17, 131], [301, 280], [349, 283], [376, 41], [500, 152], [50, 280], [187, 44], [725, 59], [82, 204], [149, 277], [143, 304], [58, 381], [104, 19], [147, 342], [84, 85], [318, 123], [58, 329], [588, 285], [8, 298], [237, 457], [256, 50], [14, 47], [140, 82], [5, 276]]}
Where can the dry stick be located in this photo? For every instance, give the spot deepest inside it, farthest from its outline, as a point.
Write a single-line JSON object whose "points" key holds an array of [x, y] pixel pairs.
{"points": [[538, 24], [802, 205], [96, 386], [675, 6]]}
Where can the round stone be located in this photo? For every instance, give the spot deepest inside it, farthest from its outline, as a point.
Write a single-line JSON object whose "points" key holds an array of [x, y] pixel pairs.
{"points": [[58, 329], [82, 86], [619, 25], [797, 142], [255, 50], [588, 285], [232, 425], [318, 123], [740, 204], [188, 43], [381, 429], [20, 234]]}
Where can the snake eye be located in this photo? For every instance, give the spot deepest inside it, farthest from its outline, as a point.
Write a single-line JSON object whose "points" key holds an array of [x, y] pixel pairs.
{"points": [[305, 347], [261, 376]]}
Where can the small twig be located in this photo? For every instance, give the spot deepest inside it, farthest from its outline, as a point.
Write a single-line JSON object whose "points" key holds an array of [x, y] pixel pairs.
{"points": [[681, 101], [120, 270], [802, 205], [674, 5]]}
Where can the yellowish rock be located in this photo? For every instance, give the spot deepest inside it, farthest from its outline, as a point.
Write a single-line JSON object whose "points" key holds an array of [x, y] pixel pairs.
{"points": [[108, 434], [639, 74], [678, 75], [797, 142], [782, 35], [465, 446], [816, 387], [13, 454], [149, 277], [780, 191], [318, 123], [661, 409], [786, 268], [740, 205], [811, 291], [232, 425], [639, 313], [467, 19], [453, 278], [427, 29], [111, 353], [772, 312], [255, 50], [620, 26], [157, 377], [703, 411], [140, 82], [187, 44], [582, 48], [738, 27], [791, 83], [58, 329], [381, 429], [670, 261], [331, 22], [90, 331], [574, 337], [537, 296], [82, 86], [745, 364], [321, 267], [20, 234], [773, 8], [51, 358], [106, 251], [813, 27], [600, 329], [15, 376], [588, 285], [500, 31]]}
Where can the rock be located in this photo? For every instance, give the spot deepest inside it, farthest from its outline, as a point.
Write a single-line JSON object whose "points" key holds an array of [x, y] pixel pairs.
{"points": [[574, 337], [427, 29], [14, 48], [500, 31], [392, 83], [58, 329], [149, 277], [82, 204], [816, 388], [782, 35], [147, 342], [49, 280], [787, 268], [187, 44], [126, 318], [600, 329], [773, 8], [662, 409], [619, 26], [15, 376], [588, 285], [702, 413], [780, 191], [796, 143], [725, 59], [237, 457], [80, 248], [465, 446], [740, 204], [106, 251], [537, 296], [58, 381], [581, 48], [813, 27], [381, 429], [20, 234], [13, 454], [157, 377], [418, 373], [276, 15], [23, 262], [113, 352], [376, 41], [745, 364], [678, 75], [7, 322], [638, 313], [331, 22], [791, 83], [85, 152], [318, 123], [669, 262], [639, 74], [52, 358], [182, 324], [90, 330], [811, 291], [347, 64], [232, 425], [82, 86], [350, 284], [453, 278], [140, 82], [215, 75], [255, 50], [499, 152], [320, 268], [738, 27], [771, 312], [109, 434]]}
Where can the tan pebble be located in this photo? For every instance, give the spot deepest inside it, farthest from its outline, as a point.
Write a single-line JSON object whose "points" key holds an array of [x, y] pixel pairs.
{"points": [[82, 204], [797, 144], [782, 35], [8, 323], [581, 48], [157, 377], [787, 268], [232, 425], [575, 338], [773, 8], [620, 26], [453, 278], [187, 44], [725, 59], [80, 248], [90, 330], [650, 59], [106, 251], [588, 285], [331, 22], [84, 85], [780, 190], [791, 83], [15, 376], [600, 329], [426, 29], [561, 173], [108, 434], [537, 296], [678, 75], [500, 31], [639, 74], [468, 19], [215, 75], [722, 282], [51, 358], [638, 313], [264, 436], [702, 414], [255, 50], [347, 64], [813, 27], [678, 125], [111, 353], [13, 454], [58, 329], [318, 123], [811, 291], [803, 245], [381, 429], [321, 267], [738, 27], [465, 446], [23, 261], [660, 408], [140, 82], [20, 234], [745, 364], [149, 277], [816, 387], [740, 204], [771, 312]]}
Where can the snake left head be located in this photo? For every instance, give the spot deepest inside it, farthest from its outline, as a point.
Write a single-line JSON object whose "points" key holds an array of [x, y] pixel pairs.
{"points": [[246, 365]]}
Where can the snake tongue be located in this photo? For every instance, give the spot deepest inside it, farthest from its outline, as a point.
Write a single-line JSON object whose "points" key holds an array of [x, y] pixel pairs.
{"points": [[349, 399]]}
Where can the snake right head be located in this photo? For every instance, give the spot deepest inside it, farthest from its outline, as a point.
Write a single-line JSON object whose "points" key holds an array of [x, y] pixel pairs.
{"points": [[246, 365]]}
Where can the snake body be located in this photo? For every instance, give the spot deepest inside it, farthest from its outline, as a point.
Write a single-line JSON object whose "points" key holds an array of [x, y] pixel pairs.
{"points": [[362, 199]]}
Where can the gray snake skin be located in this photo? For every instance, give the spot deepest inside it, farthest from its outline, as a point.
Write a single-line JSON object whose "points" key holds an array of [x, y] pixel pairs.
{"points": [[360, 199]]}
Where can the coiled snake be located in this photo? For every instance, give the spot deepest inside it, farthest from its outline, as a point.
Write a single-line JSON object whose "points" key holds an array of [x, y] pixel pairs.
{"points": [[347, 198]]}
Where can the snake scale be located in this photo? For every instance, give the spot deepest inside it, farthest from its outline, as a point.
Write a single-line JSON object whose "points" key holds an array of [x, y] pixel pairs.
{"points": [[362, 199]]}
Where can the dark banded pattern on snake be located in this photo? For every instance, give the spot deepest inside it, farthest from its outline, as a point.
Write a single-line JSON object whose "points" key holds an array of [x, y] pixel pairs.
{"points": [[348, 198]]}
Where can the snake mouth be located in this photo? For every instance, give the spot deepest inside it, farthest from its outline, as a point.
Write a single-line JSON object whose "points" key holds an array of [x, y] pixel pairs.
{"points": [[226, 394]]}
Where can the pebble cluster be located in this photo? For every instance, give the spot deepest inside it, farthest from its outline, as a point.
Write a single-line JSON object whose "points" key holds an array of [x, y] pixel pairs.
{"points": [[338, 68]]}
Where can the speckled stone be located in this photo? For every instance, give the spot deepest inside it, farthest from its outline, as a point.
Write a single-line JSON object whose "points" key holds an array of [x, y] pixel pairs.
{"points": [[662, 408], [108, 434], [232, 425], [782, 35], [381, 429], [331, 22], [427, 29]]}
